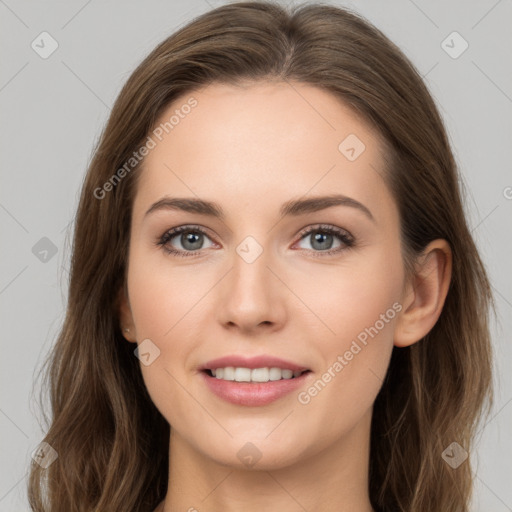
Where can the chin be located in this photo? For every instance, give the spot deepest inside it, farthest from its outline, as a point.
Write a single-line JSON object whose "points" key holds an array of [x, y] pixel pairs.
{"points": [[257, 455]]}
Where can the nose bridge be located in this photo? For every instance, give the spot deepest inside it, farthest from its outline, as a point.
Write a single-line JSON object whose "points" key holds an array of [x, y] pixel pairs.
{"points": [[250, 274]]}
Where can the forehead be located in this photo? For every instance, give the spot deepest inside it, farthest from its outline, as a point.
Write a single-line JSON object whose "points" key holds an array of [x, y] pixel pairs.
{"points": [[249, 146]]}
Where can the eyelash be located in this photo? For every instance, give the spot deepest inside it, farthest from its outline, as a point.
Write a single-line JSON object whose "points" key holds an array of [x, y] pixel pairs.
{"points": [[344, 236]]}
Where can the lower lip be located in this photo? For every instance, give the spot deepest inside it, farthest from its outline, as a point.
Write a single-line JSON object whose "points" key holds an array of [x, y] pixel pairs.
{"points": [[253, 393]]}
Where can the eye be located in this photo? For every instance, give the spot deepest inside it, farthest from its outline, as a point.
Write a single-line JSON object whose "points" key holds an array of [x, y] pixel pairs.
{"points": [[323, 237], [190, 238]]}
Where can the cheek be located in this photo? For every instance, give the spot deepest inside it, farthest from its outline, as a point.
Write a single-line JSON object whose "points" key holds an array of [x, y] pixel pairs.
{"points": [[157, 315], [349, 297], [158, 300], [163, 297], [357, 306]]}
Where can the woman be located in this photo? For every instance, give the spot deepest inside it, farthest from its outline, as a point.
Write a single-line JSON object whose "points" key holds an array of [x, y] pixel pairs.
{"points": [[275, 302]]}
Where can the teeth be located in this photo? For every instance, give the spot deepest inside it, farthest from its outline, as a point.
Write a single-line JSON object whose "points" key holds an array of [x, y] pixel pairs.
{"points": [[254, 375]]}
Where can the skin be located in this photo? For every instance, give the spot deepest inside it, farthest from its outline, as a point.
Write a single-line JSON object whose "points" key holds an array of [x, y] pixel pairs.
{"points": [[250, 149]]}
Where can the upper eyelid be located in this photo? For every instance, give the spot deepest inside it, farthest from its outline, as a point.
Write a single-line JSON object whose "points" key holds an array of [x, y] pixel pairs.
{"points": [[172, 232], [324, 227]]}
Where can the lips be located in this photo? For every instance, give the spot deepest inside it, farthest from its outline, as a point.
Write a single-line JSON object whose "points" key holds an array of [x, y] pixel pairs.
{"points": [[254, 394], [251, 394]]}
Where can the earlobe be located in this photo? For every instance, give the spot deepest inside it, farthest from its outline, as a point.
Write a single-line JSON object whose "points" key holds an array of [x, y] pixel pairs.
{"points": [[126, 323], [425, 296]]}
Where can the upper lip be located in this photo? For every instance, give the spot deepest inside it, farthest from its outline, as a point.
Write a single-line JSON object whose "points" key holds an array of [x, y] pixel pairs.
{"points": [[262, 361]]}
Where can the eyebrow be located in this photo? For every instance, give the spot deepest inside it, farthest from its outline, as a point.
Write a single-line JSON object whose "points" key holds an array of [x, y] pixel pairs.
{"points": [[293, 208]]}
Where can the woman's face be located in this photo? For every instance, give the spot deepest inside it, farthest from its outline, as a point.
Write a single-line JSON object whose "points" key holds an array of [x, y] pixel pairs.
{"points": [[253, 283]]}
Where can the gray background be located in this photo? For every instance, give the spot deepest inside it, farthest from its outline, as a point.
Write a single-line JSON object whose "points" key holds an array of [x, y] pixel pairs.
{"points": [[53, 109]]}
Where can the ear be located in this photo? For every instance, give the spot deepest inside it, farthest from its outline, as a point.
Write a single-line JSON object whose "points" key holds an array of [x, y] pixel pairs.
{"points": [[425, 294], [125, 316]]}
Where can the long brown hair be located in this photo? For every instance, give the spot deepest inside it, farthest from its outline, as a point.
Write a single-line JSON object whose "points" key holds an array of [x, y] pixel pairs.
{"points": [[112, 442]]}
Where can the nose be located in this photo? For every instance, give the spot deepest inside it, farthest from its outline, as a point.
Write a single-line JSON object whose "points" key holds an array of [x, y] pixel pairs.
{"points": [[252, 296]]}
